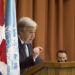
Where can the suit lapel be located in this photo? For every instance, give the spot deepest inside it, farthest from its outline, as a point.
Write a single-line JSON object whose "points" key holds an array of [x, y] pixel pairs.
{"points": [[22, 50]]}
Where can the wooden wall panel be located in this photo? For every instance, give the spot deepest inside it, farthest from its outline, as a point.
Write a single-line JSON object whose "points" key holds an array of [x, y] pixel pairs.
{"points": [[51, 30], [40, 15], [69, 28], [56, 25], [24, 8]]}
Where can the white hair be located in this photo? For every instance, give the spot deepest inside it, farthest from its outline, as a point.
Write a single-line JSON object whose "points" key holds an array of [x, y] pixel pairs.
{"points": [[26, 21]]}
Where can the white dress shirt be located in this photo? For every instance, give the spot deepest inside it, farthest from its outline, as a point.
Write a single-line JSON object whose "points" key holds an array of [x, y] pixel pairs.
{"points": [[26, 48]]}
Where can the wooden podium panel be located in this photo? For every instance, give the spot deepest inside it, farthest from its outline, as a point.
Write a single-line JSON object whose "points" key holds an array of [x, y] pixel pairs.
{"points": [[52, 68]]}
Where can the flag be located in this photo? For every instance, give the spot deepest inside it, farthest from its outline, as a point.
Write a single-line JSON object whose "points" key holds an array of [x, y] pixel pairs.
{"points": [[11, 39], [3, 60], [2, 34]]}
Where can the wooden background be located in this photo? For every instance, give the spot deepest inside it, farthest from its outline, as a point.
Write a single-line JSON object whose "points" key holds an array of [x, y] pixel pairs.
{"points": [[56, 25]]}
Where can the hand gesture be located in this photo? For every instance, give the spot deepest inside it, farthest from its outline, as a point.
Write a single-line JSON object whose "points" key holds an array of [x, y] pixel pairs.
{"points": [[37, 51]]}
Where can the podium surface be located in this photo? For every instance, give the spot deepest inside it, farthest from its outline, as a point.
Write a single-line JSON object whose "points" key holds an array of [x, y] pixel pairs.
{"points": [[52, 68]]}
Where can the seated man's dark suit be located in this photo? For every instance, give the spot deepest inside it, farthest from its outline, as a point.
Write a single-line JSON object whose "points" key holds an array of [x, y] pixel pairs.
{"points": [[26, 62]]}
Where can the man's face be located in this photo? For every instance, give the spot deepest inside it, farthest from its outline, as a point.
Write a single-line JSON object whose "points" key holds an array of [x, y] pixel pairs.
{"points": [[28, 34], [62, 57]]}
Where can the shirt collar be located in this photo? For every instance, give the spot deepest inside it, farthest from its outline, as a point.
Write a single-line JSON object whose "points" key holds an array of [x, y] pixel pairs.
{"points": [[21, 40]]}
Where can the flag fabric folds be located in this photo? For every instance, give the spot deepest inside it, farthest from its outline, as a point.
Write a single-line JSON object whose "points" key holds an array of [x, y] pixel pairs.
{"points": [[2, 34], [3, 60], [11, 39]]}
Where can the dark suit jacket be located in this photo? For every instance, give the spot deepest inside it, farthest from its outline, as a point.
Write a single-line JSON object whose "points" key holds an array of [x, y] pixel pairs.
{"points": [[26, 62]]}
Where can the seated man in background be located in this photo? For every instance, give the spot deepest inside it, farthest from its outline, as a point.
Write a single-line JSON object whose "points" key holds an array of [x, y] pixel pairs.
{"points": [[62, 56], [28, 56]]}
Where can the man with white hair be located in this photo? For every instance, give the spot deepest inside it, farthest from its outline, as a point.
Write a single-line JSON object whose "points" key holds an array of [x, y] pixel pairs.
{"points": [[28, 56]]}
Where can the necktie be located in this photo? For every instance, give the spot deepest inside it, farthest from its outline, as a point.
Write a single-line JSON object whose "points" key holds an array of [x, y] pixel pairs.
{"points": [[26, 50]]}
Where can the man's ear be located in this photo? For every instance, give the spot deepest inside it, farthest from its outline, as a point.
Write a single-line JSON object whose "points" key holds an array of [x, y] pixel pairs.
{"points": [[20, 33], [66, 58]]}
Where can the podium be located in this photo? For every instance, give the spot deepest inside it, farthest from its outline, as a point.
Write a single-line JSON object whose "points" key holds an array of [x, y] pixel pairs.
{"points": [[52, 68]]}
